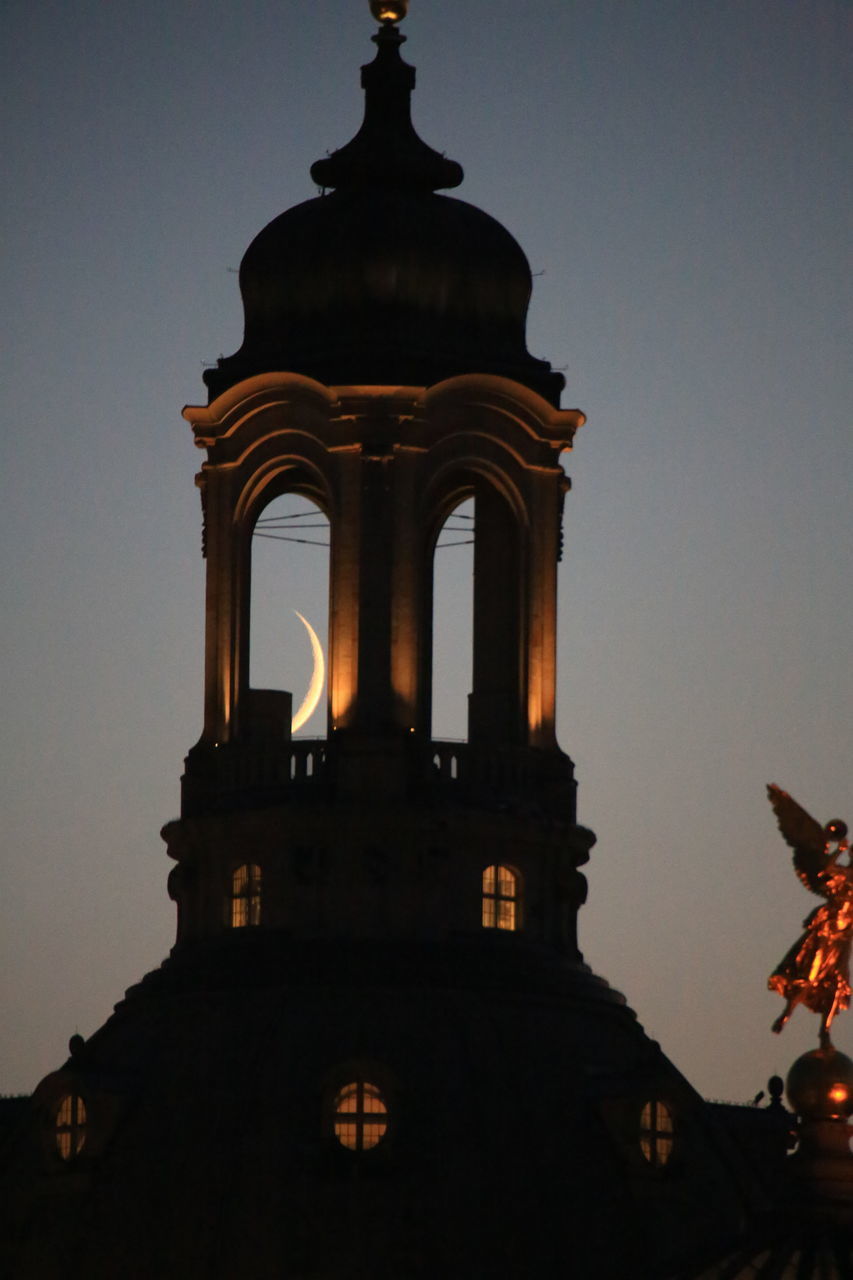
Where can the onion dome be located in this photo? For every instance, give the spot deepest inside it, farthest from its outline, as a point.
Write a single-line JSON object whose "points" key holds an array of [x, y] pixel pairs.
{"points": [[380, 280]]}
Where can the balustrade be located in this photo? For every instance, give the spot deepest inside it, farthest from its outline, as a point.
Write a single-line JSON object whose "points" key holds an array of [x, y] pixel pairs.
{"points": [[243, 774]]}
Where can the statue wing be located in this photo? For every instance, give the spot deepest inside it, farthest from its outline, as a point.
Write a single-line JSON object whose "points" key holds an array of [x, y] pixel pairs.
{"points": [[805, 836]]}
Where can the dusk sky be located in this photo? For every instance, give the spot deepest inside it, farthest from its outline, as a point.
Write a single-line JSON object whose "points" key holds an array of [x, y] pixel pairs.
{"points": [[679, 175]]}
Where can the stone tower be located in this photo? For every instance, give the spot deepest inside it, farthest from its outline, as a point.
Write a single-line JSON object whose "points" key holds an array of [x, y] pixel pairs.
{"points": [[375, 1049]]}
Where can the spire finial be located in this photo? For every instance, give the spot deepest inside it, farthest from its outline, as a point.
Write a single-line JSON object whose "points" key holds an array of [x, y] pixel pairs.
{"points": [[386, 151]]}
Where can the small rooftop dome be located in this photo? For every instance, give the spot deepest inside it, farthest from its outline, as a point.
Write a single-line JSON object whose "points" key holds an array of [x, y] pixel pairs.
{"points": [[380, 280]]}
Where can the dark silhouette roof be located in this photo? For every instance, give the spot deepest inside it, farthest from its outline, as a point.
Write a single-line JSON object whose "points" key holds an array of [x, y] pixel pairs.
{"points": [[381, 280]]}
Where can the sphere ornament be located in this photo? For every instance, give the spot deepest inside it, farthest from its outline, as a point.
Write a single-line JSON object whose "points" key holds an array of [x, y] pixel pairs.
{"points": [[836, 830], [389, 10], [820, 1085]]}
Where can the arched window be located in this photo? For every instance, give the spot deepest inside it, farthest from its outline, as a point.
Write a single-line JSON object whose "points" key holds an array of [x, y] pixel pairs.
{"points": [[71, 1126], [361, 1116], [245, 896], [656, 1133], [501, 898]]}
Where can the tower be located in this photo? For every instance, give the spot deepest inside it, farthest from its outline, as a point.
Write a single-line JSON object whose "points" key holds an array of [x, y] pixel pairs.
{"points": [[375, 1049], [397, 316]]}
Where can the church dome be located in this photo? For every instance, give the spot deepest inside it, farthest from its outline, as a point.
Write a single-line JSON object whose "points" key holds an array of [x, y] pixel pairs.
{"points": [[380, 280]]}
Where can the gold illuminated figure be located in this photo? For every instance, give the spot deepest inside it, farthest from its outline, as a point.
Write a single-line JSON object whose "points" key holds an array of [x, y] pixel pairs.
{"points": [[816, 970]]}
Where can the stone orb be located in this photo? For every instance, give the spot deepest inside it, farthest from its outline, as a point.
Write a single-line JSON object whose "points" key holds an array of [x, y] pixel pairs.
{"points": [[820, 1085]]}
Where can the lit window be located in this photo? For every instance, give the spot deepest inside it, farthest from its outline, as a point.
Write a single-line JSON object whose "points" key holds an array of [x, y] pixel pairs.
{"points": [[246, 896], [361, 1116], [70, 1126], [656, 1133], [501, 902]]}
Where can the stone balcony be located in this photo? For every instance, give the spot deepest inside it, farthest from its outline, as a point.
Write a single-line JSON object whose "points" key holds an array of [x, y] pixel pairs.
{"points": [[262, 774]]}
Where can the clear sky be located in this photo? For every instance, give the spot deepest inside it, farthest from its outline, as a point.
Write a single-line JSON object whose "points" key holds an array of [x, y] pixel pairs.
{"points": [[679, 174]]}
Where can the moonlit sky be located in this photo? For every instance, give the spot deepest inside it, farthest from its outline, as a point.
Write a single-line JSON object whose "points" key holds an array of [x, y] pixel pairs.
{"points": [[679, 174]]}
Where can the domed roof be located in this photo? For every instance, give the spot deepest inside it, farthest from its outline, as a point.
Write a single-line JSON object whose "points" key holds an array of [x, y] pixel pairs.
{"points": [[380, 280], [820, 1084]]}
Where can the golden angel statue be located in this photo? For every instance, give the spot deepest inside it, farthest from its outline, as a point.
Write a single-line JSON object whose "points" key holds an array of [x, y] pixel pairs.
{"points": [[816, 970]]}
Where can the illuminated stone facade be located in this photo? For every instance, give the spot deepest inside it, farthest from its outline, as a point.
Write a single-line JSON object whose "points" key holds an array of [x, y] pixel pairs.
{"points": [[386, 465]]}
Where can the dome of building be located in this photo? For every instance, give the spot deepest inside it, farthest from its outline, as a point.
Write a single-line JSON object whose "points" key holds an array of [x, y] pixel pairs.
{"points": [[820, 1085], [380, 280]]}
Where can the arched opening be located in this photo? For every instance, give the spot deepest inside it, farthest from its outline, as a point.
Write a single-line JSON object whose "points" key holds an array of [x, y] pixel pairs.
{"points": [[495, 705], [289, 625], [477, 672], [453, 623]]}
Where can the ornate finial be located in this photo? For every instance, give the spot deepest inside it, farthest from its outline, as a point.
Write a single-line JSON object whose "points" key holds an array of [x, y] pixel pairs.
{"points": [[386, 151], [816, 970], [389, 10]]}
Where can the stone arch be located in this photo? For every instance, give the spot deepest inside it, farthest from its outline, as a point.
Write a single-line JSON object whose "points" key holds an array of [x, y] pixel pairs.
{"points": [[297, 464], [496, 700], [290, 462]]}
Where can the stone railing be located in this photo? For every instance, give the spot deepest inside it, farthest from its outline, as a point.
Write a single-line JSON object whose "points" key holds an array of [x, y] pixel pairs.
{"points": [[219, 777], [262, 773], [502, 776]]}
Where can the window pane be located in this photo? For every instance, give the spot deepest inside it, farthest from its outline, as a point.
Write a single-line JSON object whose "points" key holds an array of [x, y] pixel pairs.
{"points": [[656, 1133], [500, 898], [373, 1102], [372, 1134], [245, 896], [506, 915], [506, 882], [70, 1126], [348, 1099], [347, 1135], [360, 1116]]}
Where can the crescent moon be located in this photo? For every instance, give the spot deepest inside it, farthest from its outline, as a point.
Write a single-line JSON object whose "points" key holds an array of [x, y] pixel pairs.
{"points": [[309, 703]]}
